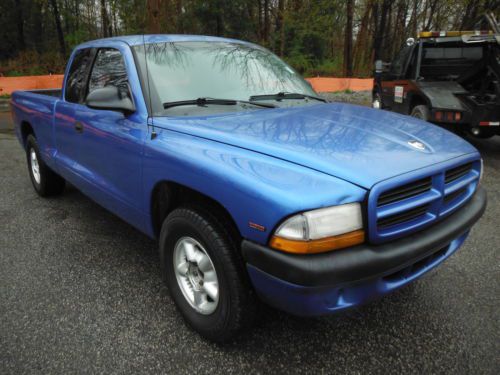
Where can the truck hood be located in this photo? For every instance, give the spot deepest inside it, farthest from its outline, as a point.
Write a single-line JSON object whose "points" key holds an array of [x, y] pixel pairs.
{"points": [[357, 144]]}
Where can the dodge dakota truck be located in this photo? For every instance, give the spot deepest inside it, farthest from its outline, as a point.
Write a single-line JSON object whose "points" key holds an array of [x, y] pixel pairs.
{"points": [[256, 188]]}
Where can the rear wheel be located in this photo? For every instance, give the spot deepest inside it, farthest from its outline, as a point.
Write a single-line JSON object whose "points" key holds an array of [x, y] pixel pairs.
{"points": [[482, 133], [205, 274], [45, 181], [421, 112]]}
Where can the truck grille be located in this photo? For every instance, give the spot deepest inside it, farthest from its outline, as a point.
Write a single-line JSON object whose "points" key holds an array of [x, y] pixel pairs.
{"points": [[405, 191], [456, 173], [399, 209]]}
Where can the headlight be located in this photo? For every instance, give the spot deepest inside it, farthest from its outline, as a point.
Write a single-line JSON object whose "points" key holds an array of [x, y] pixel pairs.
{"points": [[321, 230]]}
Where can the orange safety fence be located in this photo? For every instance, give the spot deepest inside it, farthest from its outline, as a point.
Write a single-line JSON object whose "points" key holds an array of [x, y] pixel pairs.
{"points": [[320, 84], [10, 84], [325, 84]]}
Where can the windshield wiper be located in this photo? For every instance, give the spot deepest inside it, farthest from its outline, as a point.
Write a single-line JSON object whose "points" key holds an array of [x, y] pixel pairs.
{"points": [[201, 102], [286, 95]]}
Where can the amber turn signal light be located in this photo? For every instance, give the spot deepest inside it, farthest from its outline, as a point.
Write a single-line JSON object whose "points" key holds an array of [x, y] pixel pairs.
{"points": [[318, 246]]}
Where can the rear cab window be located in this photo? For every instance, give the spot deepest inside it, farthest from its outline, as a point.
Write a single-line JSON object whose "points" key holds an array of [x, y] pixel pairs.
{"points": [[76, 81]]}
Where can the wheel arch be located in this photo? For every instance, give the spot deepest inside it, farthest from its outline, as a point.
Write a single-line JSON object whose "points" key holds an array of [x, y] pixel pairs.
{"points": [[417, 99], [166, 196], [26, 130]]}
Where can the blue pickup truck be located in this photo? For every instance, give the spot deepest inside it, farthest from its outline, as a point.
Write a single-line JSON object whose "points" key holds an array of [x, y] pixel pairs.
{"points": [[256, 188]]}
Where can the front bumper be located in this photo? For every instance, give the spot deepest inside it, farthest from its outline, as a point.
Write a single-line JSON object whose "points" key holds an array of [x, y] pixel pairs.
{"points": [[323, 283]]}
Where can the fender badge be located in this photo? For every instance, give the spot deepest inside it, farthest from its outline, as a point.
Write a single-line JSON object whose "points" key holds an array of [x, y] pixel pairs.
{"points": [[416, 144]]}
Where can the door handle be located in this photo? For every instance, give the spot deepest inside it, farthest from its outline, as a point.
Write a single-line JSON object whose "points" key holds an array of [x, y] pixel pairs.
{"points": [[78, 126]]}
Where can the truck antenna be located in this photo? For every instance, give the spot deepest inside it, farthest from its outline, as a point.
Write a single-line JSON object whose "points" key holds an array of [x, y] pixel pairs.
{"points": [[153, 132]]}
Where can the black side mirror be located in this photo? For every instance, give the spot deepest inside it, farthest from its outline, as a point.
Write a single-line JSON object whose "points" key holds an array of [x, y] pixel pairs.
{"points": [[381, 66], [110, 98]]}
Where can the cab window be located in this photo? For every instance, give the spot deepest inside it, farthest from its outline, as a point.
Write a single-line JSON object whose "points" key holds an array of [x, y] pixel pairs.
{"points": [[77, 76], [109, 69]]}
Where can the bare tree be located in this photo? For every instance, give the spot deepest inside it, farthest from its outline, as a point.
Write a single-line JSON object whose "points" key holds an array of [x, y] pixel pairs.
{"points": [[153, 17], [280, 26], [348, 39], [20, 24], [106, 26], [57, 20]]}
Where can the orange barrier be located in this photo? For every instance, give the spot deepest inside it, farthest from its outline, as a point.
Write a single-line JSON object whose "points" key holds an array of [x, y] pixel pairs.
{"points": [[324, 84], [320, 84], [10, 84]]}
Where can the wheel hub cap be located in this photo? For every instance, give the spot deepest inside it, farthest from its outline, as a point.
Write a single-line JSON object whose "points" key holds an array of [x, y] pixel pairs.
{"points": [[196, 276], [35, 167]]}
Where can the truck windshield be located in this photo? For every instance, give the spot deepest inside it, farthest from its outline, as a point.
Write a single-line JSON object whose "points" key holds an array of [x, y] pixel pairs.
{"points": [[185, 71]]}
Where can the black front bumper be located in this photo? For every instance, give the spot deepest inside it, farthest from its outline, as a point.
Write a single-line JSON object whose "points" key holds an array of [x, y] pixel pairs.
{"points": [[364, 262]]}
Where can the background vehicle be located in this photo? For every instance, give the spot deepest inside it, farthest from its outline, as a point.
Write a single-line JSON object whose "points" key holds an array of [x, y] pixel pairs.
{"points": [[448, 78], [268, 191]]}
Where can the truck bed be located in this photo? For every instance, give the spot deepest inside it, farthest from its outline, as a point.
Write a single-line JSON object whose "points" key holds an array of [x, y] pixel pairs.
{"points": [[56, 93]]}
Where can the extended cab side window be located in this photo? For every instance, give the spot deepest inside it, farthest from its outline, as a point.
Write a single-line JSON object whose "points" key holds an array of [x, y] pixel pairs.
{"points": [[109, 69], [77, 76]]}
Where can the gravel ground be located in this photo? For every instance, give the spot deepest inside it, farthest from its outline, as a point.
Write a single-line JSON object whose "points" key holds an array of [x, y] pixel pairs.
{"points": [[354, 97], [80, 292]]}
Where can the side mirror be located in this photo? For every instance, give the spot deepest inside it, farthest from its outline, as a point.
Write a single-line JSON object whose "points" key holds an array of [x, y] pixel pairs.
{"points": [[381, 67], [110, 98]]}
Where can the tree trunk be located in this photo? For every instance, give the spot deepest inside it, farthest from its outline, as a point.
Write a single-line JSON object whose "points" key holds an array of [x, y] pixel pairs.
{"points": [[106, 29], [280, 26], [60, 34], [380, 19], [20, 24], [153, 17], [179, 23], [37, 26], [348, 39], [266, 21], [360, 47]]}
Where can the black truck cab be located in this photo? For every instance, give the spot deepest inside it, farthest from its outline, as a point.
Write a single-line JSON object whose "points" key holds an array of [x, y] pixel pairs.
{"points": [[448, 78]]}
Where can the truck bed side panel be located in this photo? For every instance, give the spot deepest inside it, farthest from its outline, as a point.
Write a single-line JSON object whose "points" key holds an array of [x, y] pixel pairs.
{"points": [[37, 111]]}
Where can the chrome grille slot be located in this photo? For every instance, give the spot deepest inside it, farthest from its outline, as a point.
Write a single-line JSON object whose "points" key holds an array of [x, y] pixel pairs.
{"points": [[402, 217], [455, 173], [406, 191]]}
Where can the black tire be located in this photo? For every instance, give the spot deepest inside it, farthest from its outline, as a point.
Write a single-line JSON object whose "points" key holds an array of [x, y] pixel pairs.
{"points": [[48, 182], [482, 133], [236, 307], [376, 97], [421, 112]]}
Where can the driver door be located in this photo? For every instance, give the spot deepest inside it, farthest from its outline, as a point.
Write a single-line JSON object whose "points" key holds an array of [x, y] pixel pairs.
{"points": [[111, 142]]}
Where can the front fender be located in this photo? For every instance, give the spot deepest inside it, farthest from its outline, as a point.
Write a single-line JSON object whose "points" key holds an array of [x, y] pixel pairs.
{"points": [[251, 186]]}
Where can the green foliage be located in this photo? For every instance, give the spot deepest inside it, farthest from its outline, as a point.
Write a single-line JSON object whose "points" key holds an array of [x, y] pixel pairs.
{"points": [[308, 34], [31, 63]]}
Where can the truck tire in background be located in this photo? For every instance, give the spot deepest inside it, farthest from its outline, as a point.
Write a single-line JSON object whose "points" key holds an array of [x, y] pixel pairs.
{"points": [[482, 133], [205, 274], [45, 181], [421, 112]]}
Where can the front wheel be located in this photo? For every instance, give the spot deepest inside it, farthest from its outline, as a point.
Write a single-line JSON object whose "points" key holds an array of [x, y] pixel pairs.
{"points": [[45, 181], [421, 112], [205, 274]]}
